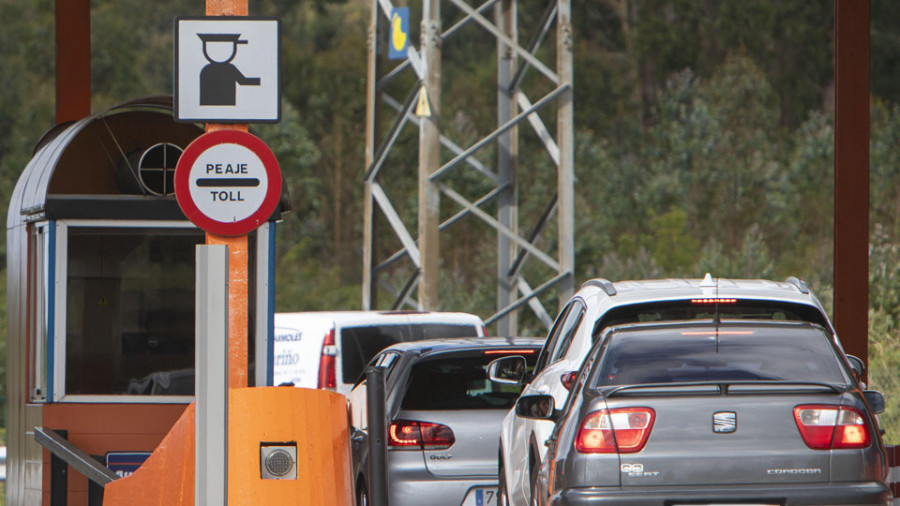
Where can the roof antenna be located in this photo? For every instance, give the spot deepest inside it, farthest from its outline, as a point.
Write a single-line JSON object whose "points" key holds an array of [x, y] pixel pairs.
{"points": [[709, 282], [716, 318]]}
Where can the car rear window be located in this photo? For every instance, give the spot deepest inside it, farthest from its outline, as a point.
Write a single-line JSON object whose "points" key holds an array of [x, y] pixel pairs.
{"points": [[688, 353], [360, 344], [703, 309], [455, 381]]}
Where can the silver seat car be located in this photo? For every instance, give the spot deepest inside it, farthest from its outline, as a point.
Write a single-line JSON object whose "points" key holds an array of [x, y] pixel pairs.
{"points": [[599, 304], [736, 412], [443, 416]]}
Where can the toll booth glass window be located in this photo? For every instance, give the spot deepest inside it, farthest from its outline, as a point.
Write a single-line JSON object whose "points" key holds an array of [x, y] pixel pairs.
{"points": [[130, 311]]}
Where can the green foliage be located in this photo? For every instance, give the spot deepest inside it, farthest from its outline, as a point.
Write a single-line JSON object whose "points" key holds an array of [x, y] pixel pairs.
{"points": [[884, 362], [307, 283]]}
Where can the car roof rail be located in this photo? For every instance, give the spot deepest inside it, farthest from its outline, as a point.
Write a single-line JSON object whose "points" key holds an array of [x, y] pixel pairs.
{"points": [[799, 283], [604, 284]]}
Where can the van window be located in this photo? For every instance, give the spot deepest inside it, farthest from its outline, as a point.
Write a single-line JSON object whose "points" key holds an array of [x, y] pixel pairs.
{"points": [[360, 344]]}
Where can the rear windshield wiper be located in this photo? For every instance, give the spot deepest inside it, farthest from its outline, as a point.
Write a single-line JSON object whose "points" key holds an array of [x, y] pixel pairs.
{"points": [[721, 387]]}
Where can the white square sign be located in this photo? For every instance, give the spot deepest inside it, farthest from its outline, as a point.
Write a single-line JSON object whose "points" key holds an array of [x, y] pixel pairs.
{"points": [[226, 69]]}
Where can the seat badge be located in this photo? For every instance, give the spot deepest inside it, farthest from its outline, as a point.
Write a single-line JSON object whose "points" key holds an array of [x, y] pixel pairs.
{"points": [[724, 422]]}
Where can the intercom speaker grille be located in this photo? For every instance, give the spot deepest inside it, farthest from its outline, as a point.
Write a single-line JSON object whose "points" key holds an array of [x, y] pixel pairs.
{"points": [[279, 463]]}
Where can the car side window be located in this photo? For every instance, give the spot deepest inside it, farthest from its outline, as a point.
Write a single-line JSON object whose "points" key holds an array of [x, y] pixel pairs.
{"points": [[552, 340], [569, 329], [387, 360]]}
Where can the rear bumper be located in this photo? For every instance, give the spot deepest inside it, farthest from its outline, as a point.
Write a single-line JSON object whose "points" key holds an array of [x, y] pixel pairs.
{"points": [[867, 493], [417, 489]]}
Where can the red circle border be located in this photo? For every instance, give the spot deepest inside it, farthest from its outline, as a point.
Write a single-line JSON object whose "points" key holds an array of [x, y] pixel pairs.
{"points": [[190, 156]]}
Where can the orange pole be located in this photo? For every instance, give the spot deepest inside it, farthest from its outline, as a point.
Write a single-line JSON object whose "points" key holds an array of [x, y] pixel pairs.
{"points": [[238, 260], [226, 7], [238, 297]]}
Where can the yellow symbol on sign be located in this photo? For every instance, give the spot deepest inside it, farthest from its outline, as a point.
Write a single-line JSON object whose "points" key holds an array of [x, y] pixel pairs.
{"points": [[422, 107], [102, 301], [398, 36]]}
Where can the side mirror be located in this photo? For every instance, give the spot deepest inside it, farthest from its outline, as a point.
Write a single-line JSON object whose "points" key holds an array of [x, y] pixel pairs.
{"points": [[538, 407], [857, 366], [875, 400], [507, 370]]}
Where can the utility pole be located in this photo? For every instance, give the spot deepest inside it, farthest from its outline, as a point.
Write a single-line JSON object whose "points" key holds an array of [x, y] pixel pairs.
{"points": [[430, 158]]}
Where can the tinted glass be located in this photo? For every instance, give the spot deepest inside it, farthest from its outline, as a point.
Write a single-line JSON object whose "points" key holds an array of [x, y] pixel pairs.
{"points": [[741, 309], [130, 311], [455, 381], [684, 354], [360, 344], [553, 338], [573, 321]]}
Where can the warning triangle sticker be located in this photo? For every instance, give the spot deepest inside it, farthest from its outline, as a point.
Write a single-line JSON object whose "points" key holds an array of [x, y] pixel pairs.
{"points": [[422, 107]]}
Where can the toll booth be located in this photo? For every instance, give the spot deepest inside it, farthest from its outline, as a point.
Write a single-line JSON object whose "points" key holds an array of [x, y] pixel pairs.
{"points": [[101, 291]]}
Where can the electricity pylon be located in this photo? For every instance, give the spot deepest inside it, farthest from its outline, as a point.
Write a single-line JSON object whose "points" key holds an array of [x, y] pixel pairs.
{"points": [[530, 94]]}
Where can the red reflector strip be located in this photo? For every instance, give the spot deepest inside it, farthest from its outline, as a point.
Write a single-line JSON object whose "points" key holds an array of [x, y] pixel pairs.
{"points": [[713, 301], [717, 333], [523, 351]]}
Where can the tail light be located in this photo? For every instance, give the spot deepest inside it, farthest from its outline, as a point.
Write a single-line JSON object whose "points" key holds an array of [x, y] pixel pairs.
{"points": [[568, 379], [619, 430], [828, 427], [327, 361], [420, 435]]}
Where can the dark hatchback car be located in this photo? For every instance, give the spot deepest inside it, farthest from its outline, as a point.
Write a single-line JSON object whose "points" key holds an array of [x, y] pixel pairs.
{"points": [[751, 413]]}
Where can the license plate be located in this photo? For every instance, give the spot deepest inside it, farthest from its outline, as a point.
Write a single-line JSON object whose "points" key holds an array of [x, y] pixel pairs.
{"points": [[481, 496]]}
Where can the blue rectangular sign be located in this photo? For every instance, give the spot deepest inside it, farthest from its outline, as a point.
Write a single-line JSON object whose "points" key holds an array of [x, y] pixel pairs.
{"points": [[399, 36], [125, 463]]}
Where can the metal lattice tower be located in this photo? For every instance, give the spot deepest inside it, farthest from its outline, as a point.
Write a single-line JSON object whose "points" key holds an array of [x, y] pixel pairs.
{"points": [[529, 93]]}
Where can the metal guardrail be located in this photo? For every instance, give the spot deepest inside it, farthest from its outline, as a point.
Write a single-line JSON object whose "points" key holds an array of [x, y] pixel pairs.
{"points": [[64, 454], [893, 464]]}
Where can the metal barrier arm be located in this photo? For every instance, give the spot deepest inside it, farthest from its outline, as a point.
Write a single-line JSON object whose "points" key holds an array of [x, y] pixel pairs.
{"points": [[71, 455]]}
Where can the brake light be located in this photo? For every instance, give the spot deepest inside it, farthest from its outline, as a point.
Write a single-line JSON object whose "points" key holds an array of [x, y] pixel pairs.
{"points": [[568, 379], [327, 360], [420, 435], [619, 430], [713, 301], [507, 351], [827, 427]]}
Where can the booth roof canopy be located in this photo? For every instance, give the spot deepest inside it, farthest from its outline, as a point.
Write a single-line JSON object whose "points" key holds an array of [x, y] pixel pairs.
{"points": [[88, 167]]}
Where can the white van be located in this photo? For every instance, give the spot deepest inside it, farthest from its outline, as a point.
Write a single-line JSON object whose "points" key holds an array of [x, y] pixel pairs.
{"points": [[329, 349]]}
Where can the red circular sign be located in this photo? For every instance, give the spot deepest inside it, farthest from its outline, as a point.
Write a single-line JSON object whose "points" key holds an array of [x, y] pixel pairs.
{"points": [[227, 182]]}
